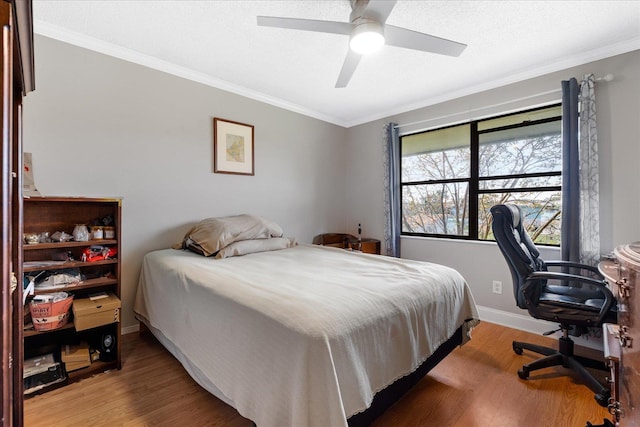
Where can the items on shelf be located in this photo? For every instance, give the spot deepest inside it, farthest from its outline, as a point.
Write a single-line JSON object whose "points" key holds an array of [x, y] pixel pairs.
{"points": [[31, 238], [41, 372], [99, 253], [75, 357], [28, 182], [81, 233], [54, 244], [50, 311], [109, 232], [97, 310], [98, 229], [61, 236], [57, 279], [29, 287]]}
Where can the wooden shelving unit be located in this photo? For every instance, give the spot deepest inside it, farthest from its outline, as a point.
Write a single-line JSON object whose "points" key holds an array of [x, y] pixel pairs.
{"points": [[53, 214]]}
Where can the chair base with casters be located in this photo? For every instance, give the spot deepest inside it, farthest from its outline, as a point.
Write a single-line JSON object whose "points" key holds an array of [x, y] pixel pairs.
{"points": [[564, 356]]}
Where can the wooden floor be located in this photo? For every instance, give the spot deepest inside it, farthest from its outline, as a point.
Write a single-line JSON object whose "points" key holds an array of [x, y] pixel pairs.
{"points": [[475, 386]]}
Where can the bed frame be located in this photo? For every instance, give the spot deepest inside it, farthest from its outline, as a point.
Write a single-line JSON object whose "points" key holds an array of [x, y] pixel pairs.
{"points": [[386, 397]]}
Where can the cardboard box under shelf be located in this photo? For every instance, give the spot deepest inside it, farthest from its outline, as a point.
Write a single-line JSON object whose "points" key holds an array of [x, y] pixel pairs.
{"points": [[90, 313], [75, 353], [75, 356], [74, 366]]}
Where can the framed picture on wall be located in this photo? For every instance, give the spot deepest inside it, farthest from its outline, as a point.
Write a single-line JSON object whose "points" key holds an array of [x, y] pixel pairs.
{"points": [[232, 147]]}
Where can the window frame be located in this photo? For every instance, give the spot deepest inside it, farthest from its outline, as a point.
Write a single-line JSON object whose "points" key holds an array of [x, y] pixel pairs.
{"points": [[474, 179]]}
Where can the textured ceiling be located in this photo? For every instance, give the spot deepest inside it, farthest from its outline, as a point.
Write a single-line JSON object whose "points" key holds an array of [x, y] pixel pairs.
{"points": [[218, 43]]}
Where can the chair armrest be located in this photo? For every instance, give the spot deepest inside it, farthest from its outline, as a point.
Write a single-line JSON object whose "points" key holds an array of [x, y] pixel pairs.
{"points": [[566, 277], [572, 264], [609, 299]]}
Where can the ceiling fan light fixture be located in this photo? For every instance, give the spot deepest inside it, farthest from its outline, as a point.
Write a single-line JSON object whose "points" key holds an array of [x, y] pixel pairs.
{"points": [[367, 37]]}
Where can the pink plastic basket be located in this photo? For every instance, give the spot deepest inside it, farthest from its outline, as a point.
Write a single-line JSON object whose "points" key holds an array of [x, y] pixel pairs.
{"points": [[47, 316]]}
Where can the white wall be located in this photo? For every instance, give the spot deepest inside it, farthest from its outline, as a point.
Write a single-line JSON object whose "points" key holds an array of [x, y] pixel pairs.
{"points": [[618, 115], [99, 126]]}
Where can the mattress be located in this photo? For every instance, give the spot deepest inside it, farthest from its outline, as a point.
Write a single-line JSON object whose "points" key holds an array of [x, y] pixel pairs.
{"points": [[303, 336]]}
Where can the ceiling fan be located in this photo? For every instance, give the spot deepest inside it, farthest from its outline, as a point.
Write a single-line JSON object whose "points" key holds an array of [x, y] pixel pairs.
{"points": [[368, 32]]}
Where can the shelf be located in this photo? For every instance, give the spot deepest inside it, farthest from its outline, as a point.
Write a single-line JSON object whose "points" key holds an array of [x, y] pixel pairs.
{"points": [[47, 388], [86, 284], [72, 199], [61, 245], [96, 367], [32, 332], [69, 264], [52, 214]]}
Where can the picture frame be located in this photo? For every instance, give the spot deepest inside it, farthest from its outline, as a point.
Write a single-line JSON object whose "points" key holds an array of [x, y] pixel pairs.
{"points": [[233, 147]]}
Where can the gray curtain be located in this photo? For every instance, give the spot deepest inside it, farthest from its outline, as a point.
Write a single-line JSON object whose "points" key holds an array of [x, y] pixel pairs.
{"points": [[580, 241], [392, 228], [589, 175], [570, 231]]}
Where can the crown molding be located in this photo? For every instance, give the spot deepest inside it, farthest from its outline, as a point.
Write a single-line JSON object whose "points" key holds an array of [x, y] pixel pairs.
{"points": [[84, 41], [129, 55], [569, 62]]}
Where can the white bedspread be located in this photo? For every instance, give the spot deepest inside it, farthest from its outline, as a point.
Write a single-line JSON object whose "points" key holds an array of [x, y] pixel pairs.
{"points": [[302, 336]]}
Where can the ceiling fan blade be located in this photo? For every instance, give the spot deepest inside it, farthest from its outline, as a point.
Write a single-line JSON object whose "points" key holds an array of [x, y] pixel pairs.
{"points": [[349, 66], [306, 24], [402, 37], [379, 9]]}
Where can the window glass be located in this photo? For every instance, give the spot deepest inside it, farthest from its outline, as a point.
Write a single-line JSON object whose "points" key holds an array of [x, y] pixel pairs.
{"points": [[436, 209], [440, 154], [541, 210], [521, 150], [451, 177]]}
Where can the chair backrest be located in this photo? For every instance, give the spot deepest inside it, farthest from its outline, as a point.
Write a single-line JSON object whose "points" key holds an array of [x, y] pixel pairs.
{"points": [[516, 246]]}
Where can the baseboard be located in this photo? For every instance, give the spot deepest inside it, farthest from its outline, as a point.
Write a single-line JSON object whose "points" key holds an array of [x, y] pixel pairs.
{"points": [[516, 321], [534, 326], [130, 329]]}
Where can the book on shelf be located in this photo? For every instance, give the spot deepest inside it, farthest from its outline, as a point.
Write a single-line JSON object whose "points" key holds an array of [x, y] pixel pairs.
{"points": [[41, 372]]}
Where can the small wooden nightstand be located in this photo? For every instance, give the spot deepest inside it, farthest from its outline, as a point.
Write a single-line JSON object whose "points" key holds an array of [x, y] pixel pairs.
{"points": [[338, 240], [348, 241], [367, 245]]}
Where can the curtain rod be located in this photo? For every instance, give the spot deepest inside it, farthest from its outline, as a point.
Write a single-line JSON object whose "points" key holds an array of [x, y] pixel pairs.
{"points": [[606, 78]]}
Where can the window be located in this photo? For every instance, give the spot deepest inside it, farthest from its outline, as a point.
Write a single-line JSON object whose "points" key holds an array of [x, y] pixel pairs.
{"points": [[450, 177]]}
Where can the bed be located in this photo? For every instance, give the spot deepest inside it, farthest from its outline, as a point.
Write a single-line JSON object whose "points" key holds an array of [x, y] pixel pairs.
{"points": [[304, 335]]}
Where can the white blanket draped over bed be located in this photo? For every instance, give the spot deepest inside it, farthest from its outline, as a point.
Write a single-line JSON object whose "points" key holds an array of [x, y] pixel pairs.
{"points": [[303, 336]]}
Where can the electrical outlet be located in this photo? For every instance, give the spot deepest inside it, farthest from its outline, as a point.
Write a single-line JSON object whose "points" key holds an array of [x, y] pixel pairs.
{"points": [[497, 287]]}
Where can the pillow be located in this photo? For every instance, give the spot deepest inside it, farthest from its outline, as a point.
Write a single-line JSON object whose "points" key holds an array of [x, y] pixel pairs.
{"points": [[245, 247], [212, 234]]}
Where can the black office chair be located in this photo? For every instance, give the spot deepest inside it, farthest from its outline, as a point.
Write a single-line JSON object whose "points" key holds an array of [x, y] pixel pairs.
{"points": [[576, 298]]}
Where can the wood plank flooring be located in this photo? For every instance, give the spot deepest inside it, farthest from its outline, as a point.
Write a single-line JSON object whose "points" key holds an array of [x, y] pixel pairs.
{"points": [[475, 386]]}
